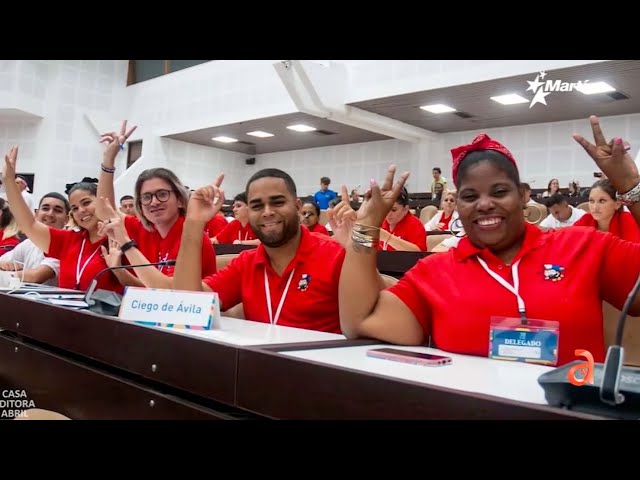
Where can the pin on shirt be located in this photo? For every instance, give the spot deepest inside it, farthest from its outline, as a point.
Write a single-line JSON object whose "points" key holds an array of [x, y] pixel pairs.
{"points": [[553, 272], [303, 284]]}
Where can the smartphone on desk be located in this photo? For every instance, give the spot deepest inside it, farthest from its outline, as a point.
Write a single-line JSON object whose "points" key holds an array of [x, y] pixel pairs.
{"points": [[406, 356]]}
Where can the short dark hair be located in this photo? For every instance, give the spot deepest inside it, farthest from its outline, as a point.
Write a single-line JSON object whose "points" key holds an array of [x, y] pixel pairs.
{"points": [[526, 186], [273, 173], [436, 169], [325, 180], [241, 197], [126, 197], [555, 199], [496, 158], [316, 207], [57, 196]]}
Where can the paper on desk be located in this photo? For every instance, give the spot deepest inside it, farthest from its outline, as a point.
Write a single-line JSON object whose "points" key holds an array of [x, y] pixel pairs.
{"points": [[68, 303]]}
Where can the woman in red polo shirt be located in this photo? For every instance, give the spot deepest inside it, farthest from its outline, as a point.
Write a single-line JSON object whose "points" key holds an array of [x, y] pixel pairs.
{"points": [[504, 267], [8, 228], [309, 216], [79, 250], [153, 235], [606, 213], [401, 230]]}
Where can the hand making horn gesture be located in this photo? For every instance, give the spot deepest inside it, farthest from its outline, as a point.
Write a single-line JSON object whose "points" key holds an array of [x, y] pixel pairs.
{"points": [[206, 202]]}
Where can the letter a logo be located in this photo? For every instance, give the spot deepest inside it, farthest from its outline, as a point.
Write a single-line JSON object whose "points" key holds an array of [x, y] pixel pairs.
{"points": [[585, 369]]}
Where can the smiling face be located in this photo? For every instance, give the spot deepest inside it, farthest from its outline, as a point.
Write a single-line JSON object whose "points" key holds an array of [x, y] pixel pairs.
{"points": [[273, 211], [83, 207], [52, 212], [490, 206], [159, 211]]}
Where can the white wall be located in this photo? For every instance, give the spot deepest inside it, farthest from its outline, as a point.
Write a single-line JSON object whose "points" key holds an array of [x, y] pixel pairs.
{"points": [[195, 165], [352, 164], [382, 78], [62, 146], [545, 151], [79, 98], [209, 94]]}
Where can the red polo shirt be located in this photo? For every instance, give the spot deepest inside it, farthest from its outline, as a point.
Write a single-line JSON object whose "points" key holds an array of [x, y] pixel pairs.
{"points": [[410, 228], [235, 231], [453, 297], [317, 228], [311, 301], [157, 249], [77, 254], [215, 225], [7, 242]]}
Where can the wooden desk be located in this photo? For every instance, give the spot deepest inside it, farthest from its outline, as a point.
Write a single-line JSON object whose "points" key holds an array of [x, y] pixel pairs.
{"points": [[79, 392], [243, 369], [194, 366]]}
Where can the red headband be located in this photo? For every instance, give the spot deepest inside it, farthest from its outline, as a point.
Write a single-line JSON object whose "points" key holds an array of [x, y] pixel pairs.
{"points": [[481, 142]]}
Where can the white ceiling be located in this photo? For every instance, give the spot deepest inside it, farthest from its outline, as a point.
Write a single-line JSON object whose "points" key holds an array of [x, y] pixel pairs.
{"points": [[471, 99]]}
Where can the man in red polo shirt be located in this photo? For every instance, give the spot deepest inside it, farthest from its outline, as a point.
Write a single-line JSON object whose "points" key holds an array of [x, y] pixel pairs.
{"points": [[292, 277]]}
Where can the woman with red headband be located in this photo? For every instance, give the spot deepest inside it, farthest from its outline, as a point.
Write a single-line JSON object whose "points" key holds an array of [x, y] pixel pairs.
{"points": [[503, 268]]}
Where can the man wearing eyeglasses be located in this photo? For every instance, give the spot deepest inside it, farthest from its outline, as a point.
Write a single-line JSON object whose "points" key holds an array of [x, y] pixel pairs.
{"points": [[153, 236]]}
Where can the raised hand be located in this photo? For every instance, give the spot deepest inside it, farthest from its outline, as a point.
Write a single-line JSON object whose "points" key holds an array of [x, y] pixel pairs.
{"points": [[342, 218], [206, 202], [113, 227], [115, 142], [379, 200], [611, 157], [113, 256], [10, 160]]}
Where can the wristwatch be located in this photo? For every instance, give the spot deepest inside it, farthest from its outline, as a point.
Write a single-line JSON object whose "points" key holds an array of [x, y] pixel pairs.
{"points": [[630, 197], [128, 245]]}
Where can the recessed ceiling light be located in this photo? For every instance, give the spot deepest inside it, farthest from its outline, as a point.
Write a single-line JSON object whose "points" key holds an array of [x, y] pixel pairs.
{"points": [[438, 108], [224, 139], [597, 87], [260, 133], [510, 99], [301, 128]]}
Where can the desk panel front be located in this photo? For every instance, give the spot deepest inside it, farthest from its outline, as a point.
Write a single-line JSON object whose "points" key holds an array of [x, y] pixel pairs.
{"points": [[40, 379]]}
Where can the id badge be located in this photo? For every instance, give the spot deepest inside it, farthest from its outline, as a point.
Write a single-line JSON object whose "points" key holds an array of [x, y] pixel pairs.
{"points": [[535, 341]]}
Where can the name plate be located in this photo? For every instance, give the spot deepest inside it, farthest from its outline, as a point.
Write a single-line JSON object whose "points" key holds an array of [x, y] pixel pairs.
{"points": [[171, 308]]}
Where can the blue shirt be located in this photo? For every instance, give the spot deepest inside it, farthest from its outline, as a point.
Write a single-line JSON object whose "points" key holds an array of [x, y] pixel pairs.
{"points": [[322, 198]]}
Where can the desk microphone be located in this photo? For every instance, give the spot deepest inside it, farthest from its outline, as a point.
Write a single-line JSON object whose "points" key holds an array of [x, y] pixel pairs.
{"points": [[107, 302], [615, 390]]}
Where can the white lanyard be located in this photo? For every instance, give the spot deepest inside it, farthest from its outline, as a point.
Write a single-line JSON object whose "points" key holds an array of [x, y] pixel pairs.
{"points": [[273, 320], [513, 289], [79, 270], [246, 236]]}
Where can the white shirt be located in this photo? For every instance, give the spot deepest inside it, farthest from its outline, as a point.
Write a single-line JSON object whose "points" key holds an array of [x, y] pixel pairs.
{"points": [[31, 257], [29, 199], [435, 220], [552, 222]]}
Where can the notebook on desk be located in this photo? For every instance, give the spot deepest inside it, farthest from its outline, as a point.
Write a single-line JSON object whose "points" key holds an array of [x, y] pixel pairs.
{"points": [[41, 289]]}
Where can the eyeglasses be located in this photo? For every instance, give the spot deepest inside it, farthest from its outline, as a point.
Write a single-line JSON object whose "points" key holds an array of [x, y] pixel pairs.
{"points": [[161, 195]]}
